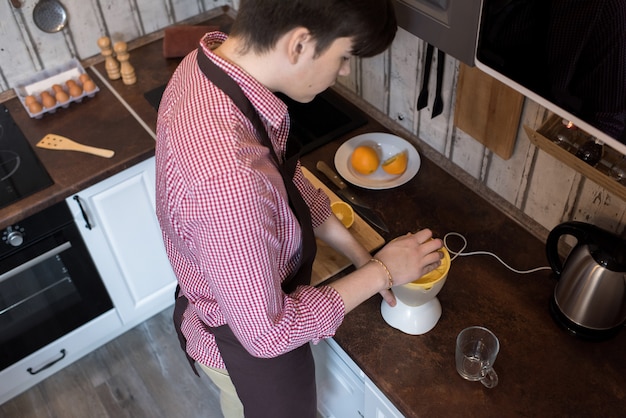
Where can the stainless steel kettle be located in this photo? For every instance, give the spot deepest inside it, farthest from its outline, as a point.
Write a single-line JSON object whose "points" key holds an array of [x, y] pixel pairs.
{"points": [[590, 296]]}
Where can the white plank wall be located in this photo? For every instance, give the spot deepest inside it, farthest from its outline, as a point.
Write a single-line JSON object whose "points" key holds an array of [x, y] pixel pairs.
{"points": [[25, 49], [539, 186]]}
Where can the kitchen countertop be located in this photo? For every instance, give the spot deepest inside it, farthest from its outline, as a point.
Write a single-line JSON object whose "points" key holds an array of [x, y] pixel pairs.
{"points": [[101, 121], [543, 371]]}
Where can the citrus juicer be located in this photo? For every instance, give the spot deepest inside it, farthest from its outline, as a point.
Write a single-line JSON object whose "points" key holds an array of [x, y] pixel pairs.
{"points": [[417, 309]]}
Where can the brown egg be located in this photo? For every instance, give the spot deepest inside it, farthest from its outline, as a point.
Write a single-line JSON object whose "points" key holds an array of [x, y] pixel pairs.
{"points": [[29, 99], [89, 86], [57, 88], [62, 96], [83, 77], [47, 100], [74, 89], [34, 107]]}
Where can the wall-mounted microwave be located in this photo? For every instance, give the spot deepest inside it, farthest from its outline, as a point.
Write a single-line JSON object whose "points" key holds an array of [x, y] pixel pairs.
{"points": [[449, 25], [566, 55]]}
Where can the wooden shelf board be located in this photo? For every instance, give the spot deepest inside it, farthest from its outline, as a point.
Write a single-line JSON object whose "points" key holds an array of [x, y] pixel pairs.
{"points": [[577, 164]]}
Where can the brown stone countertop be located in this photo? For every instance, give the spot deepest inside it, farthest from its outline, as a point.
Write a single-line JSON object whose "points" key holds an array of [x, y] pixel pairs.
{"points": [[543, 371], [101, 121]]}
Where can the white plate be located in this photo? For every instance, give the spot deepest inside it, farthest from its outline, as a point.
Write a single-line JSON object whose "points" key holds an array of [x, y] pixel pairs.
{"points": [[387, 145]]}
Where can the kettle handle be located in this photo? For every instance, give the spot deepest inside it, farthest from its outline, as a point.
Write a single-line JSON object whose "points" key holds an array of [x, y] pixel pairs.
{"points": [[580, 230]]}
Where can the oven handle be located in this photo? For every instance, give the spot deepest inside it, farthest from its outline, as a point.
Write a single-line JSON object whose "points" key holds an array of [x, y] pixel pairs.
{"points": [[82, 211], [35, 261], [47, 366]]}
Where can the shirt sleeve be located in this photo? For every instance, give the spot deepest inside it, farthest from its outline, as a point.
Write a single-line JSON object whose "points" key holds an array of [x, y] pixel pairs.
{"points": [[315, 198]]}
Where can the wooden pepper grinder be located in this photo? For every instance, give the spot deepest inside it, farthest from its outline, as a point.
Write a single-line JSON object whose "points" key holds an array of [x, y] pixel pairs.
{"points": [[126, 69], [110, 63]]}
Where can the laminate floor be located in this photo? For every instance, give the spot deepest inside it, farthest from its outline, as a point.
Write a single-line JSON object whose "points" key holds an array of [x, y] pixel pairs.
{"points": [[142, 373]]}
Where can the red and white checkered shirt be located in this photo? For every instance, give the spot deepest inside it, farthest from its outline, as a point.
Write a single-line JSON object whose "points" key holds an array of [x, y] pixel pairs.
{"points": [[229, 232]]}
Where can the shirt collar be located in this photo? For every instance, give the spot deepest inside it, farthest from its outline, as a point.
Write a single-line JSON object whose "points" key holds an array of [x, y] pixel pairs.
{"points": [[267, 104]]}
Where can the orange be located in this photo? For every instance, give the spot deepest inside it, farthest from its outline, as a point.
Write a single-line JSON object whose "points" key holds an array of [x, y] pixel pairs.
{"points": [[396, 164], [343, 212], [364, 159], [429, 279]]}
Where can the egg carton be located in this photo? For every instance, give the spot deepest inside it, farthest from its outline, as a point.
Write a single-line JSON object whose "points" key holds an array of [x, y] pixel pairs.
{"points": [[44, 80]]}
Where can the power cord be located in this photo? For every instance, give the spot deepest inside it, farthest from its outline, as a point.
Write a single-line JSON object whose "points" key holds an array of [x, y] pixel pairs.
{"points": [[460, 253]]}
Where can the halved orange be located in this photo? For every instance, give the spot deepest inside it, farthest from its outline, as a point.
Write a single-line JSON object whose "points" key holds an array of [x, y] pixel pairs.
{"points": [[397, 163], [343, 212]]}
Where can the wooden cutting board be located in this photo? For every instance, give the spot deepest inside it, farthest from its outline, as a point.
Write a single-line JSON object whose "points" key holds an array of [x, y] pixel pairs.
{"points": [[487, 110], [329, 262]]}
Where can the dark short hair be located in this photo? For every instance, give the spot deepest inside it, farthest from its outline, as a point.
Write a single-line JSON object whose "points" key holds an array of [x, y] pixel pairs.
{"points": [[370, 23]]}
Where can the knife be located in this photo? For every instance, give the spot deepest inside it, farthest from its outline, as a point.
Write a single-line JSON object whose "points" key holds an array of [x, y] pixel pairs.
{"points": [[344, 191]]}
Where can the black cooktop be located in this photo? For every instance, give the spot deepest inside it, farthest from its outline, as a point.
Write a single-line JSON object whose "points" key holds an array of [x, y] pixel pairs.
{"points": [[21, 172], [325, 118], [313, 124]]}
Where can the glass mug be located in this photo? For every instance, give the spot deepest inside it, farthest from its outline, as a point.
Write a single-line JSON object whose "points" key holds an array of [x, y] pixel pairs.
{"points": [[476, 351]]}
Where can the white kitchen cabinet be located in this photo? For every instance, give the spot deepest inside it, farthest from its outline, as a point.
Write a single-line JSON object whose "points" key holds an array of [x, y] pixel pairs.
{"points": [[377, 405], [343, 390], [339, 388], [117, 221]]}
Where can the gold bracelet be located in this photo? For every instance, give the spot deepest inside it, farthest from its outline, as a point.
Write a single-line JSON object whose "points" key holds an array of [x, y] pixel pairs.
{"points": [[390, 280]]}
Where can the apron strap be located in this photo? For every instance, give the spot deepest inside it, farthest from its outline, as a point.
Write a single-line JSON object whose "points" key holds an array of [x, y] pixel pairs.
{"points": [[180, 305], [298, 205]]}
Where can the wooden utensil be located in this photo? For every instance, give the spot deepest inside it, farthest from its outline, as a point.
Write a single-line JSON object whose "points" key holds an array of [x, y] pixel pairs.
{"points": [[61, 143]]}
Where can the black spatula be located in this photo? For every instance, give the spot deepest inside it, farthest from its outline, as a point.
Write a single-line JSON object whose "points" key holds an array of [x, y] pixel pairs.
{"points": [[438, 103], [422, 99]]}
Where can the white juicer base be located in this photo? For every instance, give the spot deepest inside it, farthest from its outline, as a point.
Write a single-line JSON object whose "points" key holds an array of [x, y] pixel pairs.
{"points": [[413, 320]]}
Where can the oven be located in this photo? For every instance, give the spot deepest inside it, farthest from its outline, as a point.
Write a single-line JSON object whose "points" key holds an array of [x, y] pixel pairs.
{"points": [[49, 285]]}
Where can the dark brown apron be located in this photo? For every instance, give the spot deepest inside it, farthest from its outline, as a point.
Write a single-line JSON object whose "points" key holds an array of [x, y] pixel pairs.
{"points": [[284, 386]]}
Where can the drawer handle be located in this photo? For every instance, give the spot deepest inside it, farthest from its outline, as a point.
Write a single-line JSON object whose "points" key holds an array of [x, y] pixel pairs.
{"points": [[82, 211], [52, 363]]}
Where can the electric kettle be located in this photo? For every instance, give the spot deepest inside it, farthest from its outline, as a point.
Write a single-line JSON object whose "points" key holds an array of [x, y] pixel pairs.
{"points": [[589, 299]]}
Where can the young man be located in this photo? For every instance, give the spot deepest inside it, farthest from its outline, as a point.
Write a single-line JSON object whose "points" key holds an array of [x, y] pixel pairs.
{"points": [[238, 220]]}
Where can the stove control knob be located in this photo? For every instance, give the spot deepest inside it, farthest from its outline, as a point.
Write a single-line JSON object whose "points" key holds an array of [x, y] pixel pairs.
{"points": [[14, 236]]}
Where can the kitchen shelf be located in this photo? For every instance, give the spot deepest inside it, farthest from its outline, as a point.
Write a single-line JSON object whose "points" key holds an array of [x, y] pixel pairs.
{"points": [[545, 138]]}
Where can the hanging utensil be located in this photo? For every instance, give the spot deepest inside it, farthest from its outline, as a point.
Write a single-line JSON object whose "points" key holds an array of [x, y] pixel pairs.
{"points": [[422, 100], [49, 16], [438, 103]]}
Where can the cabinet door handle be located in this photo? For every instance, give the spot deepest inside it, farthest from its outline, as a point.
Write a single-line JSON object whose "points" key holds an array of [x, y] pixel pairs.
{"points": [[82, 211], [52, 363]]}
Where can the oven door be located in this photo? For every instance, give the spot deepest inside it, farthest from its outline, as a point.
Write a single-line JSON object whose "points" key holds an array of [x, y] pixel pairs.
{"points": [[48, 288]]}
